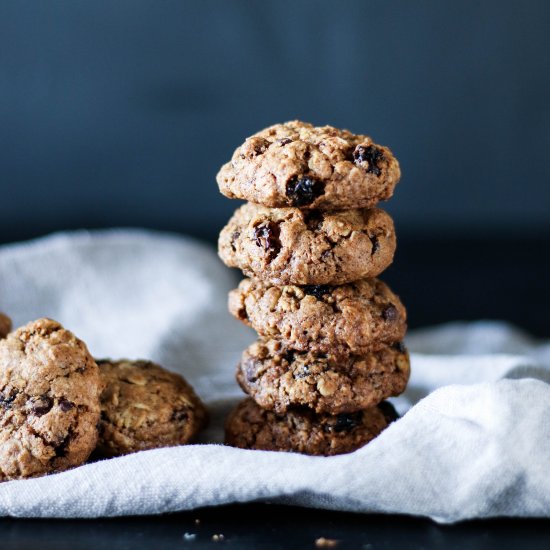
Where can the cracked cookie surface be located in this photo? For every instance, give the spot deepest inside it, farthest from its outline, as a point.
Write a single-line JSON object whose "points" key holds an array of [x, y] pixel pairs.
{"points": [[301, 431], [279, 379], [293, 246], [5, 325], [144, 406], [297, 164], [49, 401], [354, 318]]}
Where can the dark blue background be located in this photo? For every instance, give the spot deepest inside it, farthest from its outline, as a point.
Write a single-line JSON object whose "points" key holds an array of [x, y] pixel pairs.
{"points": [[120, 113]]}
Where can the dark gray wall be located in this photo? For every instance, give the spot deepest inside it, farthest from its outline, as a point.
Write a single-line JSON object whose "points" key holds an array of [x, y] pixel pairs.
{"points": [[120, 113]]}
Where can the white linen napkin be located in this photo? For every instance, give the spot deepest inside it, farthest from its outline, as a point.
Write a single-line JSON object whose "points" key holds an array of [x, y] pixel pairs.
{"points": [[474, 441]]}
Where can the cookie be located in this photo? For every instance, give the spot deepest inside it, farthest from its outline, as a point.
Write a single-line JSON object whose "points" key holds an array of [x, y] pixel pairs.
{"points": [[301, 431], [308, 247], [143, 406], [5, 325], [49, 401], [278, 379], [354, 318], [297, 164]]}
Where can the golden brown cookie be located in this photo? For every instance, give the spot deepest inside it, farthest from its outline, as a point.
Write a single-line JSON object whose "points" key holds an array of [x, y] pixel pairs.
{"points": [[308, 247], [279, 379], [49, 401], [297, 164], [5, 325], [143, 406], [354, 318], [302, 431]]}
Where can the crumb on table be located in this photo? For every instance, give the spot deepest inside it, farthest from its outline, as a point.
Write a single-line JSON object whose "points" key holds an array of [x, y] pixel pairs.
{"points": [[323, 542]]}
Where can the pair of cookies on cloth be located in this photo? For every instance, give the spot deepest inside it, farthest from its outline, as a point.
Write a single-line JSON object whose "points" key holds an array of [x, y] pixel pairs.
{"points": [[58, 405], [311, 242]]}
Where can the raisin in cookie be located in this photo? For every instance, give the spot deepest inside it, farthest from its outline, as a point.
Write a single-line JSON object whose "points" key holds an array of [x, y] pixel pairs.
{"points": [[355, 318], [297, 164], [308, 247], [5, 325], [279, 379], [49, 401], [301, 431], [143, 406]]}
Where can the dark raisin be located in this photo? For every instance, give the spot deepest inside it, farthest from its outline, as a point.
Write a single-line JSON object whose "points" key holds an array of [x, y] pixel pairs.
{"points": [[284, 141], [288, 356], [346, 422], [303, 190], [180, 415], [371, 155], [234, 237], [41, 405], [390, 313], [6, 400], [400, 347], [266, 236], [65, 405], [388, 410], [375, 244], [317, 290], [313, 219], [61, 449]]}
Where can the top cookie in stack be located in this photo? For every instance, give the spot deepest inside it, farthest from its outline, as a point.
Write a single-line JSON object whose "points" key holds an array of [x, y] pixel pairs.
{"points": [[312, 241], [323, 168]]}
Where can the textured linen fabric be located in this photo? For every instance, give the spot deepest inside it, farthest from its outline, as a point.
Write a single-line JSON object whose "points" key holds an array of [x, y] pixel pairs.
{"points": [[474, 440]]}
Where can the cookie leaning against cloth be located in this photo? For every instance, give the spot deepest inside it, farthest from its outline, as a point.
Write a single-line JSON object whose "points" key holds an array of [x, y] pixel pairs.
{"points": [[5, 325], [297, 164], [301, 431], [143, 406], [355, 318], [49, 401], [292, 246], [278, 378]]}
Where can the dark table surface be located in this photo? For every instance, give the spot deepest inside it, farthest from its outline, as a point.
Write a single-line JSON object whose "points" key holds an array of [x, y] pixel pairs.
{"points": [[272, 526], [439, 280]]}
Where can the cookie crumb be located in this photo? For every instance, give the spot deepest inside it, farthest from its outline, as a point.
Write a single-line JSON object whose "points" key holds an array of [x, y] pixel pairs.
{"points": [[323, 542], [189, 536], [218, 538], [197, 521]]}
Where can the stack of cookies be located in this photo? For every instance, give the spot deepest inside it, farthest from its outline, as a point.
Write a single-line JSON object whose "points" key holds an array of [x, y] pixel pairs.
{"points": [[311, 242]]}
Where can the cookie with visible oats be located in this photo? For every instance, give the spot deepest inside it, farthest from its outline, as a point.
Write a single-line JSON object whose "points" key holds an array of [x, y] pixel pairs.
{"points": [[49, 401], [297, 164], [280, 379], [144, 406], [302, 431], [354, 318], [308, 247]]}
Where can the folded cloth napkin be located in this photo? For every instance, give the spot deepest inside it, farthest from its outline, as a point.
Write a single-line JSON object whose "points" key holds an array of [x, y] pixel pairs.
{"points": [[474, 440]]}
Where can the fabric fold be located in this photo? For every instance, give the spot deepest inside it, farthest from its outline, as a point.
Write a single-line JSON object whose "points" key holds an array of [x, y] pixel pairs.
{"points": [[474, 441]]}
